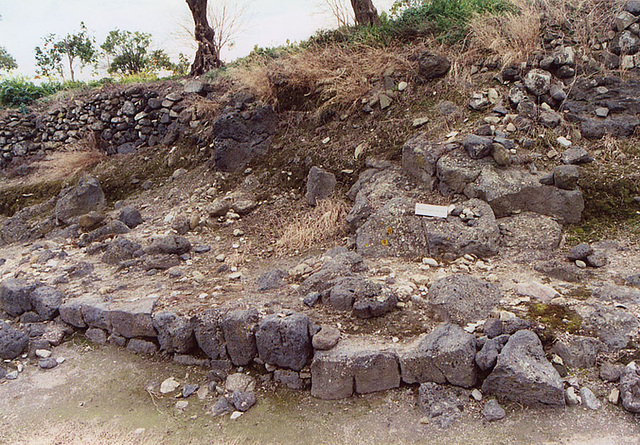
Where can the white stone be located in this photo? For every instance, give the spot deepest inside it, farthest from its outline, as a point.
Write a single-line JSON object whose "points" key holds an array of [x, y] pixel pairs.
{"points": [[181, 405], [169, 385], [614, 396], [43, 353], [581, 264], [477, 395], [236, 415], [402, 86], [566, 143], [430, 262]]}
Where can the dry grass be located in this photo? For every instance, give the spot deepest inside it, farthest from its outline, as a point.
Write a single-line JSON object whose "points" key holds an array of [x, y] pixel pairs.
{"points": [[332, 75], [324, 222], [516, 37]]}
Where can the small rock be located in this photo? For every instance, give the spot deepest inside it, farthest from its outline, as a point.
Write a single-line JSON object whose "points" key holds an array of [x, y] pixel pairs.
{"points": [[580, 252], [597, 259], [47, 363], [576, 156], [566, 177], [12, 375], [43, 353], [189, 390], [571, 397], [589, 399], [169, 385], [243, 401], [326, 338], [492, 411], [235, 415], [476, 395], [614, 396], [181, 405], [402, 86], [602, 112], [581, 264], [566, 143], [610, 372]]}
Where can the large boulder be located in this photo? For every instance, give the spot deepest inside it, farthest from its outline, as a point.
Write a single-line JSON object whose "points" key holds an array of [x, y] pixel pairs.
{"points": [[462, 298], [239, 329], [175, 332], [577, 351], [79, 200], [513, 190], [432, 66], [420, 157], [614, 326], [375, 187], [284, 340], [524, 375], [456, 236], [630, 390], [133, 318], [393, 231], [351, 368], [208, 333], [320, 185], [238, 137], [46, 301], [446, 355], [12, 342], [15, 296]]}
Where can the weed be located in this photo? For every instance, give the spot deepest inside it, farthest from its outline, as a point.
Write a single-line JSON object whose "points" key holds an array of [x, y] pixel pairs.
{"points": [[556, 317]]}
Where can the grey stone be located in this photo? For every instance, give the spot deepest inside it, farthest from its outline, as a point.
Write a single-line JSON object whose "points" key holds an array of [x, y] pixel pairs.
{"points": [[625, 43], [511, 190], [175, 332], [633, 7], [376, 306], [550, 119], [492, 327], [343, 293], [580, 252], [141, 346], [271, 280], [610, 372], [510, 327], [243, 401], [433, 66], [15, 296], [239, 328], [440, 403], [240, 382], [492, 411], [208, 334], [445, 355], [97, 336], [290, 379], [160, 261], [12, 342], [320, 185], [420, 157], [454, 237], [538, 82], [131, 217], [219, 207], [487, 357], [523, 374], [189, 389], [74, 202], [614, 326], [95, 312], [566, 177], [576, 156], [501, 155], [577, 351], [133, 318], [222, 406], [326, 338], [101, 233], [71, 313], [463, 299], [352, 367], [121, 249], [630, 390], [169, 244], [47, 363], [517, 233], [571, 398], [597, 259], [194, 86], [589, 399], [477, 146], [285, 341]]}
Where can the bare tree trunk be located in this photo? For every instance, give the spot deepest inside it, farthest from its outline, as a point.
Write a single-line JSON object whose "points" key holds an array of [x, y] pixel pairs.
{"points": [[366, 13], [207, 57]]}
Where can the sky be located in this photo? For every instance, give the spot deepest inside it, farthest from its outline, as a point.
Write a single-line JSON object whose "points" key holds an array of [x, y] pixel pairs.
{"points": [[267, 23]]}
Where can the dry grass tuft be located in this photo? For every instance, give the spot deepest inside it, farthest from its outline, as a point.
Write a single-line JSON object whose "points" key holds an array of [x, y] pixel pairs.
{"points": [[325, 222], [332, 74]]}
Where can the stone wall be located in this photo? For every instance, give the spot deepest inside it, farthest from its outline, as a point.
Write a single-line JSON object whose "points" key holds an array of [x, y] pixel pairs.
{"points": [[118, 120]]}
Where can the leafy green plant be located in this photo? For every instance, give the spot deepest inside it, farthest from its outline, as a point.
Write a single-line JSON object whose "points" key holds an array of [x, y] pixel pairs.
{"points": [[7, 61], [129, 53], [72, 47]]}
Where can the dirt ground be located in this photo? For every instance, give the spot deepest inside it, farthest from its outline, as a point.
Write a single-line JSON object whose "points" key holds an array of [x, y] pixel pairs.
{"points": [[104, 395]]}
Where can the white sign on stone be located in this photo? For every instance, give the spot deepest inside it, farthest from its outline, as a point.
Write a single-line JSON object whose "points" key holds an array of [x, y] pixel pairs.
{"points": [[432, 210]]}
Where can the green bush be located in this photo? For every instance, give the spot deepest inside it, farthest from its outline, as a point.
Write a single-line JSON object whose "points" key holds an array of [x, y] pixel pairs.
{"points": [[18, 91]]}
